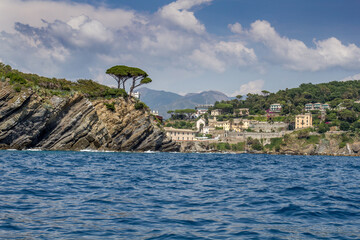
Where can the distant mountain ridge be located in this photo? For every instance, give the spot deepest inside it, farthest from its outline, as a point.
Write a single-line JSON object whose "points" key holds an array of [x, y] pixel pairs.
{"points": [[164, 101]]}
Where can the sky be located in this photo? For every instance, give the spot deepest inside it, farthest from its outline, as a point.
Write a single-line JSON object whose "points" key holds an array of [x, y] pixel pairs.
{"points": [[232, 46]]}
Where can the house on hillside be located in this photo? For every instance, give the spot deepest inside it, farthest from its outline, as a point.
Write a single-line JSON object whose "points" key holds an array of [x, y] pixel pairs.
{"points": [[216, 112], [316, 106], [180, 134], [303, 121], [136, 95], [239, 125], [242, 112], [203, 108], [275, 107]]}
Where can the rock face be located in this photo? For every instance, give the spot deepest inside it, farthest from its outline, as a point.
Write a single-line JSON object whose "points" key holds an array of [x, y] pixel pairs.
{"points": [[28, 120]]}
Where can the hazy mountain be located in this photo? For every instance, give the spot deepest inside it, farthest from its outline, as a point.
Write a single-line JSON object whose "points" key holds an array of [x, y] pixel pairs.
{"points": [[164, 101]]}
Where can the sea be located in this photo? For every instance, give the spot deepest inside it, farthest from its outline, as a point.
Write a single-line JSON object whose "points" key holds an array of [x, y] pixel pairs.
{"points": [[104, 195]]}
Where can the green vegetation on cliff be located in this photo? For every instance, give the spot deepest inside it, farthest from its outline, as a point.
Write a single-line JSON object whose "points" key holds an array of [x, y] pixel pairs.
{"points": [[54, 86]]}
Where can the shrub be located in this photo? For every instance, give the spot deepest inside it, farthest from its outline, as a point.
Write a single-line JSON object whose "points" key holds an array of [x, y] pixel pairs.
{"points": [[140, 105], [344, 126], [323, 127], [110, 106], [240, 146], [313, 139], [342, 144], [223, 146], [257, 146], [275, 143], [16, 79], [303, 133], [17, 88]]}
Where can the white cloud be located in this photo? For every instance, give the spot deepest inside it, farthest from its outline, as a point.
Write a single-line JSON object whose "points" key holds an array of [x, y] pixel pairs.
{"points": [[250, 87], [177, 13], [350, 78], [236, 28], [220, 55], [33, 12], [294, 54], [206, 58], [160, 40]]}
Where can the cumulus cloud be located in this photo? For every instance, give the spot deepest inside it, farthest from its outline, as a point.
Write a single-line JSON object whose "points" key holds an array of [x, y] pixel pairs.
{"points": [[33, 12], [294, 54], [236, 28], [351, 78], [178, 13], [250, 87], [219, 55], [68, 37]]}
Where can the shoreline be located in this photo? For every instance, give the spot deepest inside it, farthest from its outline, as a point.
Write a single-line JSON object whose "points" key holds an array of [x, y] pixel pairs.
{"points": [[188, 152]]}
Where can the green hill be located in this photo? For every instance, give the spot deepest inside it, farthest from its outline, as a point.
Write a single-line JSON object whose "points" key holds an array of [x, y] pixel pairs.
{"points": [[294, 100], [54, 86]]}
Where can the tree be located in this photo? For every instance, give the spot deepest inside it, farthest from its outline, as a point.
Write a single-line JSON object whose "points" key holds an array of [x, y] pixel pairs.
{"points": [[139, 77], [123, 73], [265, 93], [120, 73]]}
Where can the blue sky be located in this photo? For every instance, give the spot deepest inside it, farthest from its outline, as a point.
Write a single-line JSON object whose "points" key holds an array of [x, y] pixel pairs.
{"points": [[234, 46]]}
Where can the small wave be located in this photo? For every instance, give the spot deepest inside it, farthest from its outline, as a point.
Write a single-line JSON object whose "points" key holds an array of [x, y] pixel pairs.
{"points": [[96, 151], [12, 150], [149, 151], [289, 210], [34, 150]]}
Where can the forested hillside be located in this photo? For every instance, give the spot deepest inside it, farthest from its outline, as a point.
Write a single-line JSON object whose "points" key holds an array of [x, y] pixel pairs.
{"points": [[294, 100]]}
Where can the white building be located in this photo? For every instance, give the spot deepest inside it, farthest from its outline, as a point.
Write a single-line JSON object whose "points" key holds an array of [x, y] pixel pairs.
{"points": [[200, 124], [276, 107]]}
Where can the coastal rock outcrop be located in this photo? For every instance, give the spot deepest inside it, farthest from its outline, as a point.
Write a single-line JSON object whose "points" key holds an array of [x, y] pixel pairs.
{"points": [[29, 120]]}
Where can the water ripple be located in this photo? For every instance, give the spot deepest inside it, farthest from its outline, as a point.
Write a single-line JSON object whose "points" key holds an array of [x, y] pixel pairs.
{"points": [[82, 195]]}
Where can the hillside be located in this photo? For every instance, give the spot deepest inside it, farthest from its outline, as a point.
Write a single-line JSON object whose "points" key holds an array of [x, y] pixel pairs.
{"points": [[164, 101], [52, 114]]}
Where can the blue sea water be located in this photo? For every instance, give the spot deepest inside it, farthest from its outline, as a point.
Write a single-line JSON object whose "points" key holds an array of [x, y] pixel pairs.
{"points": [[83, 195]]}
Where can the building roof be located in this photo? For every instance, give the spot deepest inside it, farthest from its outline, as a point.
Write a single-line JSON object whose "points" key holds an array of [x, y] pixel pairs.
{"points": [[171, 129]]}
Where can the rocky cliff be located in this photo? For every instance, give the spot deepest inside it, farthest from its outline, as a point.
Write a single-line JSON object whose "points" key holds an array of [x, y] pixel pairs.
{"points": [[74, 122]]}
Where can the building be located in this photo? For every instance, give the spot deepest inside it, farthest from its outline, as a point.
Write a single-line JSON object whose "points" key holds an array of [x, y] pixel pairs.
{"points": [[242, 111], [316, 106], [276, 107], [200, 124], [239, 125], [136, 95], [303, 121], [202, 109], [200, 112], [216, 112], [180, 134]]}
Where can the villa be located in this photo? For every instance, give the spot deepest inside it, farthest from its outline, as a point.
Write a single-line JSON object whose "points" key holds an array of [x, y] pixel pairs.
{"points": [[180, 134], [303, 121], [276, 108], [316, 106]]}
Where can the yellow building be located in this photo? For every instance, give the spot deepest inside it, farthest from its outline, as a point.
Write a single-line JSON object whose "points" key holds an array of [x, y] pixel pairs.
{"points": [[239, 125], [180, 134], [303, 121]]}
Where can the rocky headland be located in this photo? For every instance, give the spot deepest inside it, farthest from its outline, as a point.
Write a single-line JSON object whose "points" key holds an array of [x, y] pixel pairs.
{"points": [[29, 119]]}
